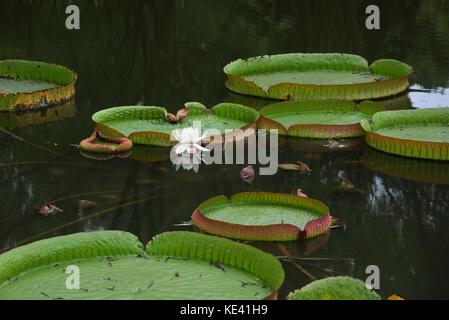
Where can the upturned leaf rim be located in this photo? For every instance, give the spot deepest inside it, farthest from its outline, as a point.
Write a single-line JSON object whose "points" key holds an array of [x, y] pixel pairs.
{"points": [[274, 232]]}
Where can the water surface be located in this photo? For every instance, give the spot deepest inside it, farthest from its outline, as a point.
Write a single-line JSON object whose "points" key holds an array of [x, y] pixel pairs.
{"points": [[169, 52]]}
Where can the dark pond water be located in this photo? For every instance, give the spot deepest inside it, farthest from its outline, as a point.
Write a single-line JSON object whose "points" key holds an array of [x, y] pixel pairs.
{"points": [[169, 52]]}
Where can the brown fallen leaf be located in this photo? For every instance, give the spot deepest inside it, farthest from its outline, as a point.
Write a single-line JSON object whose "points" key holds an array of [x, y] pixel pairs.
{"points": [[298, 166], [87, 204], [48, 209], [347, 186]]}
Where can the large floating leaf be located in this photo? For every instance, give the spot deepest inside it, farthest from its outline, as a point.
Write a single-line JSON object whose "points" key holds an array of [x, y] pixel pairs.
{"points": [[422, 133], [317, 119], [298, 76], [263, 216], [30, 85], [148, 125], [114, 265], [336, 288]]}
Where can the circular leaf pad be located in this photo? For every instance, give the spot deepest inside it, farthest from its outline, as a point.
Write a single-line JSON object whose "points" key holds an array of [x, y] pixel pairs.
{"points": [[317, 119], [263, 216], [313, 76], [336, 288], [149, 125], [31, 85], [420, 133], [114, 265]]}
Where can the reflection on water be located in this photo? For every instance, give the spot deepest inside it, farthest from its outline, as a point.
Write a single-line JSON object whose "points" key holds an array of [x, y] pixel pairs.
{"points": [[10, 120], [169, 52], [436, 172]]}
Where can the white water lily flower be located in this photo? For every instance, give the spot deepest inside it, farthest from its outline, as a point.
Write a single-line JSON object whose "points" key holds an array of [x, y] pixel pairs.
{"points": [[189, 149]]}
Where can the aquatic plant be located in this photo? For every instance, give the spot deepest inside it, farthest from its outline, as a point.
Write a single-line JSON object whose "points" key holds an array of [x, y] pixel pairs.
{"points": [[151, 125], [335, 288], [317, 119], [420, 133], [115, 265], [28, 85], [263, 216], [313, 76]]}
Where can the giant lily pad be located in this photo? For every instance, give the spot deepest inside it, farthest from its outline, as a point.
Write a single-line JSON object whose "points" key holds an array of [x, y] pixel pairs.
{"points": [[335, 288], [149, 125], [317, 119], [114, 265], [31, 85], [422, 133], [298, 76], [263, 216], [419, 170]]}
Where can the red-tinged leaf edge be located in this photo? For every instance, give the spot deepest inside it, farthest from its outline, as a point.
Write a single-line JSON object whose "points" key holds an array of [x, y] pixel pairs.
{"points": [[276, 232], [407, 147]]}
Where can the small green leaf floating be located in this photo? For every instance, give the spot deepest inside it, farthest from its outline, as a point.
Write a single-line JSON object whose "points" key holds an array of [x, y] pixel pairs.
{"points": [[335, 288], [317, 76], [152, 125], [28, 85], [115, 265], [317, 119], [263, 216], [420, 133]]}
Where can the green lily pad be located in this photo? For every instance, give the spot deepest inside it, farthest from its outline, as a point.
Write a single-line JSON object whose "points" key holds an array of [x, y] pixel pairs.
{"points": [[310, 76], [30, 85], [422, 133], [148, 124], [263, 216], [114, 265], [317, 119], [335, 288]]}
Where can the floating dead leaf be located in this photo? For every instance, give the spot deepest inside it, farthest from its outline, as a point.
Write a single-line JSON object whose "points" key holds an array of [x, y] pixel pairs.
{"points": [[247, 174], [347, 186], [300, 193], [48, 209], [298, 166], [87, 204]]}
